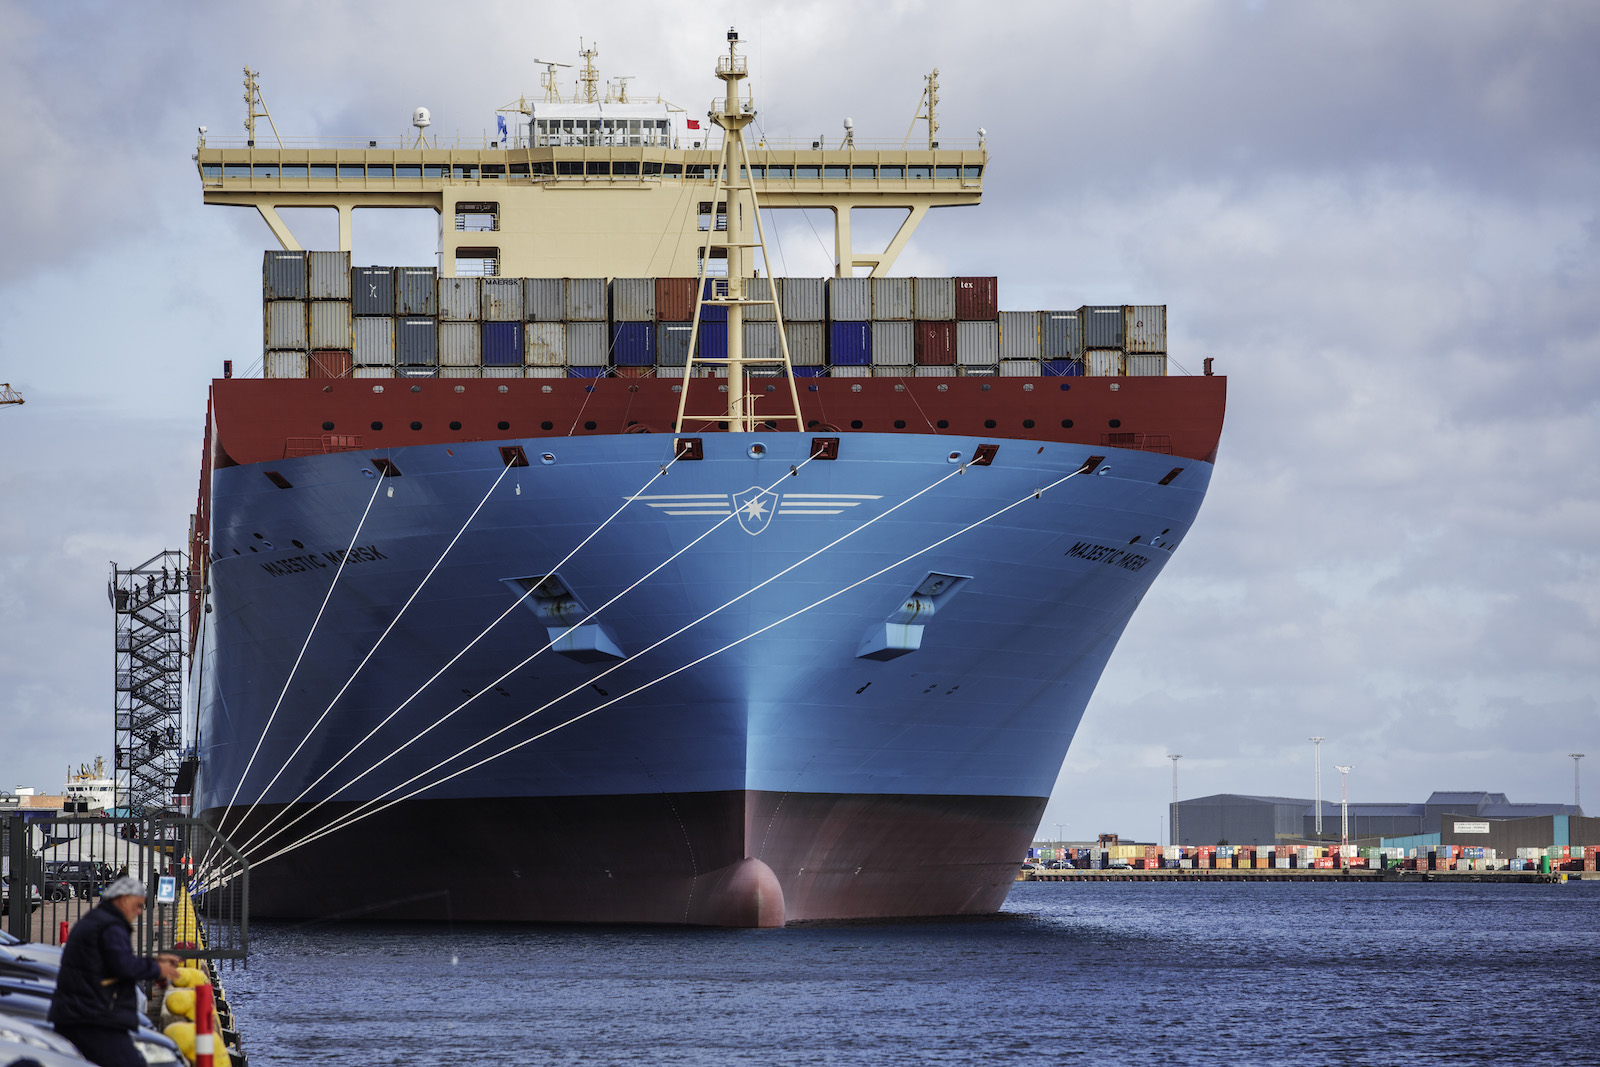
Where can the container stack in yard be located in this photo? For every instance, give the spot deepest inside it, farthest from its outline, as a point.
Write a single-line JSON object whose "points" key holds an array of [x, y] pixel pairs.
{"points": [[1554, 858], [323, 318]]}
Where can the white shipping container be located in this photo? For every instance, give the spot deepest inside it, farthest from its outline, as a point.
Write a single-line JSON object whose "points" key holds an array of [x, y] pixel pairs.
{"points": [[586, 302], [545, 299], [545, 344], [545, 372], [759, 289], [460, 299], [807, 343], [330, 324], [1144, 328], [372, 372], [374, 342], [849, 372], [850, 299], [460, 344], [1103, 362], [802, 299], [989, 371], [936, 372], [502, 300], [587, 345], [330, 275], [893, 343], [286, 364], [978, 343], [891, 299], [893, 371], [1019, 335], [458, 372], [1146, 365], [1021, 368], [285, 324], [761, 340], [503, 372], [935, 299], [633, 299]]}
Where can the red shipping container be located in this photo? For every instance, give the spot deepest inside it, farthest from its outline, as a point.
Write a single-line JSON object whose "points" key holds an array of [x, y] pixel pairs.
{"points": [[328, 363], [635, 372], [1325, 862], [978, 299], [674, 299], [935, 344]]}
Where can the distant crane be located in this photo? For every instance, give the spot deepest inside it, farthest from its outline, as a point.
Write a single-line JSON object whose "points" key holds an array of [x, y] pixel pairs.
{"points": [[9, 395]]}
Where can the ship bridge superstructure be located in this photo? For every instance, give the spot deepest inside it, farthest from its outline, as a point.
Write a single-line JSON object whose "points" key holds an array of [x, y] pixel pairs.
{"points": [[591, 189]]}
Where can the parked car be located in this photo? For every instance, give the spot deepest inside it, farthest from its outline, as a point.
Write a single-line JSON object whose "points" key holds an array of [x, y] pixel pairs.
{"points": [[5, 895], [24, 1041], [85, 877]]}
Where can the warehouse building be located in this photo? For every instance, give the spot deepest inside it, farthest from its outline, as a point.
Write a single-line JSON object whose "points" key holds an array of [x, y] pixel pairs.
{"points": [[1254, 820]]}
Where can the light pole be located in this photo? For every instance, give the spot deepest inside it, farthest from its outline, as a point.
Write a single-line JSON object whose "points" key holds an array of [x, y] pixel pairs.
{"points": [[1576, 756], [1174, 760], [1061, 838], [1344, 816], [1317, 743]]}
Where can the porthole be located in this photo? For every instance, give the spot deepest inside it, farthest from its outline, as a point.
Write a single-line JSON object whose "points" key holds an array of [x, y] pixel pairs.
{"points": [[899, 424], [455, 426], [547, 425], [502, 425], [1027, 424], [416, 425], [297, 544], [507, 389], [943, 424], [955, 457], [589, 425], [855, 424], [327, 427], [548, 458], [377, 426], [855, 388], [757, 450], [1114, 423], [461, 388], [988, 424], [416, 388], [1066, 424]]}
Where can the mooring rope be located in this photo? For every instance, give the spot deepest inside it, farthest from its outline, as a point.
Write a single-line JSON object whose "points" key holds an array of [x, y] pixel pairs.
{"points": [[660, 472], [354, 817]]}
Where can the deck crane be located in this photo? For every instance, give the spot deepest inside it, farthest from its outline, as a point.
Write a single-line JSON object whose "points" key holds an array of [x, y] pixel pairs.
{"points": [[9, 395]]}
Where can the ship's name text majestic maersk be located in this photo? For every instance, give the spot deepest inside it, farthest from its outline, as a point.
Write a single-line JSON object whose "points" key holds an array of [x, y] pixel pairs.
{"points": [[301, 564], [1113, 557]]}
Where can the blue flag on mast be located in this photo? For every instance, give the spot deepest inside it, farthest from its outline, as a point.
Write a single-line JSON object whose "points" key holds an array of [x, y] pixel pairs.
{"points": [[500, 121]]}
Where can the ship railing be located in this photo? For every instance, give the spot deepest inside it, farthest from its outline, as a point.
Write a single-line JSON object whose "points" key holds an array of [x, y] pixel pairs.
{"points": [[1143, 442], [318, 446], [485, 142]]}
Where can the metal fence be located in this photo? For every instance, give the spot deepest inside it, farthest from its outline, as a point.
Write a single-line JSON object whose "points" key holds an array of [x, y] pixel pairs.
{"points": [[67, 860]]}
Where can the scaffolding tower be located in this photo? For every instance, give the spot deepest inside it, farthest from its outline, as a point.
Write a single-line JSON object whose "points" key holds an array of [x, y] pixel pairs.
{"points": [[149, 602]]}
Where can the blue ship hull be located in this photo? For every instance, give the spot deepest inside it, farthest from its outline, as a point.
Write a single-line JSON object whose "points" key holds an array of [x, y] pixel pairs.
{"points": [[876, 751]]}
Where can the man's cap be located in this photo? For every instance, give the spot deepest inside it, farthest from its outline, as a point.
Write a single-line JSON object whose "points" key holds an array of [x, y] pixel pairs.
{"points": [[126, 886]]}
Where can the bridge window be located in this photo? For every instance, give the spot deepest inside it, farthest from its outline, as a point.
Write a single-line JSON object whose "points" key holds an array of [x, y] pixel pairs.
{"points": [[598, 167], [477, 217], [236, 170], [352, 170], [835, 170], [465, 171], [494, 170], [705, 215], [891, 172], [863, 172], [808, 172], [408, 170], [519, 170], [624, 168], [211, 172], [696, 170], [324, 170], [780, 172], [266, 170], [651, 168], [295, 170], [477, 262], [569, 166], [435, 170], [544, 168], [919, 170], [949, 172], [972, 172], [379, 170], [672, 170]]}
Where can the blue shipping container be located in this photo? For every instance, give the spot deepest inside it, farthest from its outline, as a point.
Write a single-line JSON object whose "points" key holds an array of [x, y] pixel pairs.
{"points": [[850, 344], [715, 312], [810, 372], [1063, 368], [713, 340], [633, 344], [502, 344], [586, 372]]}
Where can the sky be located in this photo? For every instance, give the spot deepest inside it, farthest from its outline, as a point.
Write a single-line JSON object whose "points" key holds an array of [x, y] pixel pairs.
{"points": [[1378, 219]]}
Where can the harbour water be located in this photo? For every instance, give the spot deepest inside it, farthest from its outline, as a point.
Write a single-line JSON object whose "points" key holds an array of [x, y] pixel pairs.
{"points": [[1194, 973]]}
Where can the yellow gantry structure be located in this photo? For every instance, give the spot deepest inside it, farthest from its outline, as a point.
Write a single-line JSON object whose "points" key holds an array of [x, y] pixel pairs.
{"points": [[597, 209]]}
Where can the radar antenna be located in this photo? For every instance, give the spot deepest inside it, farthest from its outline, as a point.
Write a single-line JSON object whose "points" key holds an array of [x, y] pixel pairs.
{"points": [[740, 414], [9, 395], [930, 97], [588, 75], [547, 80], [621, 81], [256, 108]]}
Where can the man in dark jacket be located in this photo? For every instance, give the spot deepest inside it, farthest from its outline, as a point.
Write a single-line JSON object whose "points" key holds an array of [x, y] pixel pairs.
{"points": [[96, 1005]]}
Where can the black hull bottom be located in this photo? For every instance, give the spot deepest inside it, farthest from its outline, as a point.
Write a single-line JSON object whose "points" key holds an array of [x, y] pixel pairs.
{"points": [[733, 858]]}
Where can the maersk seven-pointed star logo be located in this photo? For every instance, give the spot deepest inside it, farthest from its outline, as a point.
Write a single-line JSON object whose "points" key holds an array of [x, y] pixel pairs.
{"points": [[755, 508]]}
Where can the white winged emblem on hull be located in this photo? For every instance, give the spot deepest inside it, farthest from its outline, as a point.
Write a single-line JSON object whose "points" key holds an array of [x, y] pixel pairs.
{"points": [[755, 508]]}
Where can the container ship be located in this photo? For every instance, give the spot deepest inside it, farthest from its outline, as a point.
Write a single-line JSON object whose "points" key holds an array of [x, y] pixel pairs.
{"points": [[595, 574]]}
